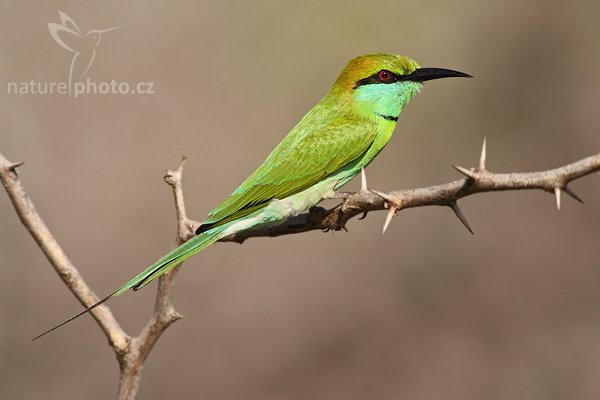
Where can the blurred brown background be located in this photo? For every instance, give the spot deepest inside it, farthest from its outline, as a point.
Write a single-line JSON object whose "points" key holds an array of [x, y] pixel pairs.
{"points": [[425, 312]]}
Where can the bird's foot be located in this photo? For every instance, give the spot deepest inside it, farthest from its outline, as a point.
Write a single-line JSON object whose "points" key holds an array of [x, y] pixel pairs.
{"points": [[345, 196], [348, 207]]}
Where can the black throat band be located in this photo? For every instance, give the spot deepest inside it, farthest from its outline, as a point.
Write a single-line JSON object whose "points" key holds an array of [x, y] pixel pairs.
{"points": [[388, 117]]}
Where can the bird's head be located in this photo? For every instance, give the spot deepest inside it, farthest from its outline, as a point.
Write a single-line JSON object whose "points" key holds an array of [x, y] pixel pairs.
{"points": [[382, 84]]}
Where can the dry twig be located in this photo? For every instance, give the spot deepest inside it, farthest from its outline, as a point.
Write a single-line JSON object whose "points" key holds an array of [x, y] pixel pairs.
{"points": [[131, 352]]}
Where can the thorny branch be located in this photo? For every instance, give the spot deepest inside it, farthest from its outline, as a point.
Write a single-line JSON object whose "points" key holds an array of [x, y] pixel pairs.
{"points": [[478, 180], [131, 352]]}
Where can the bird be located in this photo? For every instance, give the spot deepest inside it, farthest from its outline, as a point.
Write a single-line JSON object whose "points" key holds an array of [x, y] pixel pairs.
{"points": [[83, 46], [330, 145]]}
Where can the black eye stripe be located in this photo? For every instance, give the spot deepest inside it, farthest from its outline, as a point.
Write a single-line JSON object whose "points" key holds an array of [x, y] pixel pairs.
{"points": [[374, 79]]}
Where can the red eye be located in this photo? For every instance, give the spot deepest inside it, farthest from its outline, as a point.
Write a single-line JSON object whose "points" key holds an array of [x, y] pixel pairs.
{"points": [[384, 75]]}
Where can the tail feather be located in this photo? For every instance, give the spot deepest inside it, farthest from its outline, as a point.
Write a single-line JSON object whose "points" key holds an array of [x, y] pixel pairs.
{"points": [[96, 304], [175, 257]]}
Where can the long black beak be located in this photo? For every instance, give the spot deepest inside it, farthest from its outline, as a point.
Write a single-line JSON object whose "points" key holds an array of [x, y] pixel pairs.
{"points": [[427, 74]]}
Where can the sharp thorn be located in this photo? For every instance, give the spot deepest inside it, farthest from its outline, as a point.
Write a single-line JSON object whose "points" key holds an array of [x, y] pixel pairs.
{"points": [[363, 181], [363, 216], [14, 165], [466, 172], [394, 205], [482, 158], [557, 194], [571, 193], [382, 195], [459, 214], [388, 218]]}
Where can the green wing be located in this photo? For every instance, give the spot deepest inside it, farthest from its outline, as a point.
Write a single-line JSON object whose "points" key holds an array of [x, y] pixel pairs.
{"points": [[302, 159]]}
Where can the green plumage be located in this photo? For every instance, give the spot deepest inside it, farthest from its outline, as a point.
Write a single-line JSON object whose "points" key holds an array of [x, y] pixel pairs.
{"points": [[303, 158], [340, 135]]}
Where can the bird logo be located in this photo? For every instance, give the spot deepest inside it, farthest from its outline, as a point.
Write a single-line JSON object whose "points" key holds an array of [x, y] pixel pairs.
{"points": [[68, 35]]}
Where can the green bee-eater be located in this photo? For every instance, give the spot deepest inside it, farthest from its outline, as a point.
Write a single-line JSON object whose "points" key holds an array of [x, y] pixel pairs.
{"points": [[341, 135]]}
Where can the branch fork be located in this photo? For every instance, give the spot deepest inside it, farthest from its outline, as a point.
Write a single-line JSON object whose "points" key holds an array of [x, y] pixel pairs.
{"points": [[131, 352]]}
